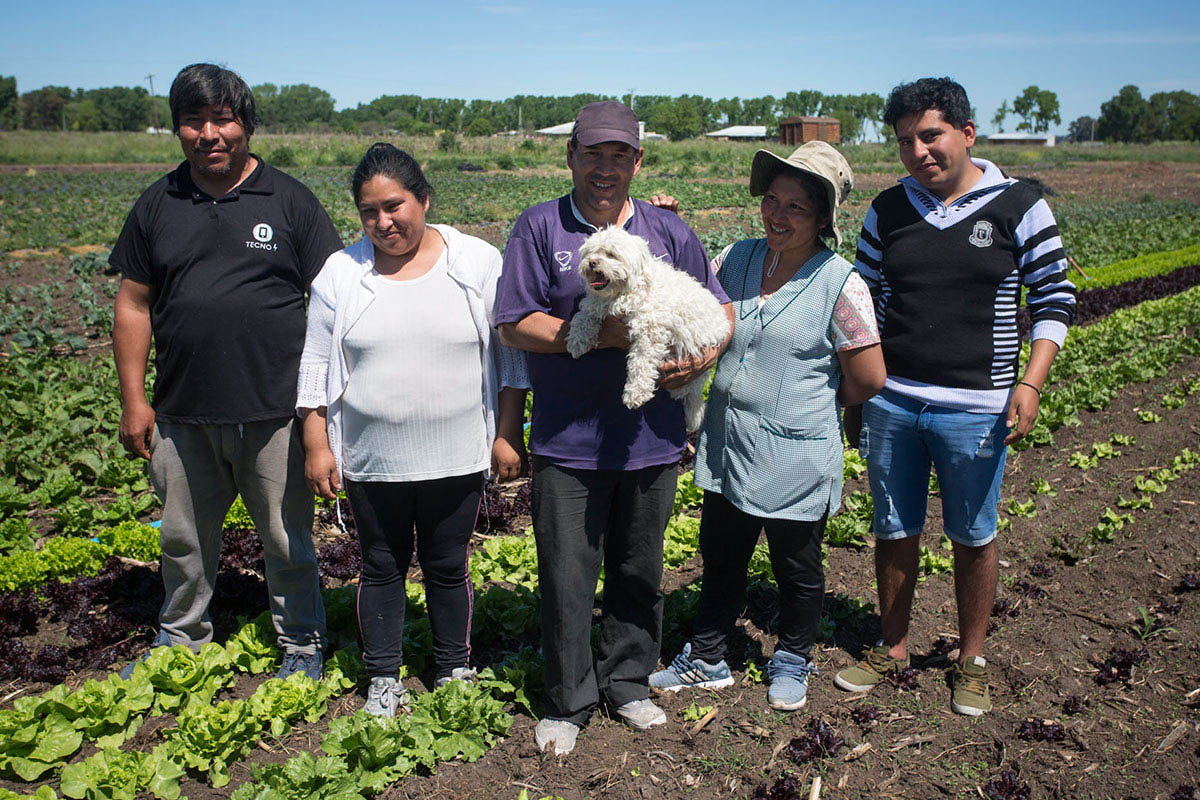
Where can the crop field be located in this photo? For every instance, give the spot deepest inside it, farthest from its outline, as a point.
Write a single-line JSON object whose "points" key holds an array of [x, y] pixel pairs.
{"points": [[1094, 638]]}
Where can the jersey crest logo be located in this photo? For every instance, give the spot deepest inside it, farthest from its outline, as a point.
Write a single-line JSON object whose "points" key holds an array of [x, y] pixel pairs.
{"points": [[263, 232], [563, 257], [981, 236]]}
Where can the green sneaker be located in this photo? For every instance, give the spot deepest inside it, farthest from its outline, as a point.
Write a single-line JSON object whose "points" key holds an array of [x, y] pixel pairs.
{"points": [[969, 681], [871, 670]]}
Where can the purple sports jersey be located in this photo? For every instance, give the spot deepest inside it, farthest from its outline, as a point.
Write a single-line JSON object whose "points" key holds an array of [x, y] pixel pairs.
{"points": [[579, 420]]}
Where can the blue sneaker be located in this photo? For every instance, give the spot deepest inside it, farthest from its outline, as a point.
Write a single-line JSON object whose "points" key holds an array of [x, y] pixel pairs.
{"points": [[788, 674], [685, 673], [161, 640], [295, 661]]}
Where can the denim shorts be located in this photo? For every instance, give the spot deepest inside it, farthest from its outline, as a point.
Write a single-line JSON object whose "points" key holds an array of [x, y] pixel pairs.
{"points": [[901, 439]]}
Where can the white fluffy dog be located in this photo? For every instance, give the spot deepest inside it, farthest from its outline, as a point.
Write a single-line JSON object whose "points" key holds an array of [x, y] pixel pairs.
{"points": [[668, 313]]}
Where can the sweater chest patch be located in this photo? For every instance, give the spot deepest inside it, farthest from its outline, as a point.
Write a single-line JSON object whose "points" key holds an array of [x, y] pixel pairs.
{"points": [[981, 234]]}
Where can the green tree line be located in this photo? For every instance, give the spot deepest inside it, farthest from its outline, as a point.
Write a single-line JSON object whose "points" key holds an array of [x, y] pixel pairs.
{"points": [[301, 107], [116, 108], [1127, 117]]}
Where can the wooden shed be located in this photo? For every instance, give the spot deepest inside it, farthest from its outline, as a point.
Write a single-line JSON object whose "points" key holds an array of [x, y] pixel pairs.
{"points": [[798, 130]]}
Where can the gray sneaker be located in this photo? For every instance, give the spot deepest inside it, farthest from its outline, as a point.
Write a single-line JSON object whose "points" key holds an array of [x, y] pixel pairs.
{"points": [[560, 732], [384, 697], [458, 674], [641, 714], [788, 674], [688, 673], [294, 661]]}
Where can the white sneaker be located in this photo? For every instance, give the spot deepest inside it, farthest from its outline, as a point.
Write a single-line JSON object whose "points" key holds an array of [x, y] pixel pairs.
{"points": [[560, 732], [457, 674], [384, 697], [641, 714]]}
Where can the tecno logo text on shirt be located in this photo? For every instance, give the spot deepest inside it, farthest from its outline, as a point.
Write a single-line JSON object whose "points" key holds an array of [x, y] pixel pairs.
{"points": [[263, 233]]}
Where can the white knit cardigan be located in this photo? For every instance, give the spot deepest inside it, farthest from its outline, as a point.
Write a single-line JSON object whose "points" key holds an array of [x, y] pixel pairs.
{"points": [[343, 291]]}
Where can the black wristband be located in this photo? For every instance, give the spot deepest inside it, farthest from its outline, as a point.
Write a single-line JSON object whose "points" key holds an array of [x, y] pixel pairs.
{"points": [[1031, 386]]}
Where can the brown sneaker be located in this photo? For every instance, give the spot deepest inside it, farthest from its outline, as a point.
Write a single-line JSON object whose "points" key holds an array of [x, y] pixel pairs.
{"points": [[969, 682], [871, 670]]}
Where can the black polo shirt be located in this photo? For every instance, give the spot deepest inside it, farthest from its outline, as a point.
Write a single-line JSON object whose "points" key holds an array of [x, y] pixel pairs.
{"points": [[229, 276]]}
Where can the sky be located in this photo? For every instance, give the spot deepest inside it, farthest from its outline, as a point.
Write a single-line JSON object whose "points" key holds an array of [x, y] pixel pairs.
{"points": [[1083, 51]]}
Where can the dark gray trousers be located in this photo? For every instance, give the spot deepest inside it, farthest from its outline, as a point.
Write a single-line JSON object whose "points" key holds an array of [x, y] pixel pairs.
{"points": [[197, 471], [583, 519]]}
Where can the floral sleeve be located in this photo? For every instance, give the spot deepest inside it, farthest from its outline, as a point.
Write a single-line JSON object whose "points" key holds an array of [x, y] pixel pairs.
{"points": [[853, 324]]}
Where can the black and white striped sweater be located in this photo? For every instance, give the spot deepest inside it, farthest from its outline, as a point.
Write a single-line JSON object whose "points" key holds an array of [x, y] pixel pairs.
{"points": [[946, 282]]}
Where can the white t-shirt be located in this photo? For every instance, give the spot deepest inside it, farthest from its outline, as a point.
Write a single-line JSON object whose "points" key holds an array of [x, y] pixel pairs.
{"points": [[413, 407]]}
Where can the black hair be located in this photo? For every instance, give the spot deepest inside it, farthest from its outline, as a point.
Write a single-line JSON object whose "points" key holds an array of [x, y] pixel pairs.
{"points": [[200, 85], [390, 161], [943, 94]]}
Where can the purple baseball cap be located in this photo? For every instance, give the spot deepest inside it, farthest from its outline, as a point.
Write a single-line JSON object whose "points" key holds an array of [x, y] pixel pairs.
{"points": [[606, 121]]}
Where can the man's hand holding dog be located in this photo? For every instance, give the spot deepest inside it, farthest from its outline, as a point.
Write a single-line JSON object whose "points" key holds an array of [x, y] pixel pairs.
{"points": [[613, 333], [682, 371]]}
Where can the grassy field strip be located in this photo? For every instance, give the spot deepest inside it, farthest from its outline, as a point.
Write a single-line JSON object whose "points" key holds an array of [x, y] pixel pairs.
{"points": [[325, 149], [44, 209], [1133, 345]]}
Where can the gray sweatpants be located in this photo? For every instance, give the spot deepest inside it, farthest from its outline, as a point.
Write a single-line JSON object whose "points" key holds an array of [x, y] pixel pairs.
{"points": [[198, 471]]}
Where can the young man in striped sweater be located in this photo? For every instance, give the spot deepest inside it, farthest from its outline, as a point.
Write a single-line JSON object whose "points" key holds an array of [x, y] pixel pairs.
{"points": [[945, 254]]}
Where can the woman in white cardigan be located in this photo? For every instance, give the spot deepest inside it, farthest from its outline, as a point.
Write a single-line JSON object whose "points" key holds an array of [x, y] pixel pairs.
{"points": [[399, 394]]}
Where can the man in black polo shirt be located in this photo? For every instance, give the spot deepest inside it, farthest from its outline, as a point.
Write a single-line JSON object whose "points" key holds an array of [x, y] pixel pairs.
{"points": [[215, 260]]}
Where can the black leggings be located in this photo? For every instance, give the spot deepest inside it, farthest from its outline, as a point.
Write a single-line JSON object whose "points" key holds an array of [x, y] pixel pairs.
{"points": [[443, 511], [727, 539]]}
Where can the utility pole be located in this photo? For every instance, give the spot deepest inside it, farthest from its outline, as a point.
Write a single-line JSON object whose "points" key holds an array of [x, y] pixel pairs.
{"points": [[631, 91], [153, 109]]}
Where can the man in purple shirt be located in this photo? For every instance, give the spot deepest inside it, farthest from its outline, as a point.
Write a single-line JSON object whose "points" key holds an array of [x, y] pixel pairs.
{"points": [[603, 475]]}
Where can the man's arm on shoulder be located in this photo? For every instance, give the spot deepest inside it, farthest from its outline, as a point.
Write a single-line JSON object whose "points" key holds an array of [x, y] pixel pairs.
{"points": [[131, 349]]}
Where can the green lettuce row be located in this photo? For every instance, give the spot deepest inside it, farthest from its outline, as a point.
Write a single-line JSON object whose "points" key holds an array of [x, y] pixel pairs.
{"points": [[68, 557], [41, 733], [1133, 345], [207, 738], [59, 443], [1143, 266], [365, 754], [42, 793]]}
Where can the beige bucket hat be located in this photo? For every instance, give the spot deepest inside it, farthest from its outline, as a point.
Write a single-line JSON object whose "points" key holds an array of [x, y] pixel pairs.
{"points": [[819, 159]]}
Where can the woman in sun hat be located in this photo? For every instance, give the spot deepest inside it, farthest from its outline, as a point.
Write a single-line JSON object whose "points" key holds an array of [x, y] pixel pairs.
{"points": [[770, 450]]}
